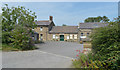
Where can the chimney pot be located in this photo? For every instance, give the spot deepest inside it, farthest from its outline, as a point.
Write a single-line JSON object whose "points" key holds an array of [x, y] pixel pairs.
{"points": [[51, 18]]}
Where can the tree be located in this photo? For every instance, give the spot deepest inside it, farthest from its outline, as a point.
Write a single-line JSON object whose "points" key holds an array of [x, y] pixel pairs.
{"points": [[64, 25], [97, 19], [105, 19], [21, 38], [15, 17], [0, 29]]}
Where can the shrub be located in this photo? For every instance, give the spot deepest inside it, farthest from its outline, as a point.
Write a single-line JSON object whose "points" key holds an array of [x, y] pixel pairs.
{"points": [[106, 45], [21, 39], [95, 61], [82, 62], [105, 49], [106, 39]]}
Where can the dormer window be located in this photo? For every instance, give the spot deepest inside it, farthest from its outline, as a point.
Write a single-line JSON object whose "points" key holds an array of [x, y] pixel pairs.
{"points": [[41, 28]]}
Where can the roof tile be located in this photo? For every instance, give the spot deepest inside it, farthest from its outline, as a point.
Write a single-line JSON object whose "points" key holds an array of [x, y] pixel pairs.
{"points": [[64, 29], [92, 25]]}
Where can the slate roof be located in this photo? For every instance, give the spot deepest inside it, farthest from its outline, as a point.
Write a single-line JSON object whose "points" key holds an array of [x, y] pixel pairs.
{"points": [[91, 25], [47, 22], [64, 29]]}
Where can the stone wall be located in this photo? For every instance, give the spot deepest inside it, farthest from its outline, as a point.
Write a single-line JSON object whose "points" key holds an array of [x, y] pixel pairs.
{"points": [[44, 32], [84, 31], [57, 37]]}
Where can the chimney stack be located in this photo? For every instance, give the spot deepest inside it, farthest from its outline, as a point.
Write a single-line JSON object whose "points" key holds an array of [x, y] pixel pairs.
{"points": [[51, 18]]}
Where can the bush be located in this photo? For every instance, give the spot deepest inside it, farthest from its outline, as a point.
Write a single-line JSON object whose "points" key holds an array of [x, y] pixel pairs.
{"points": [[105, 49], [106, 39], [21, 39], [106, 45], [95, 61], [82, 62]]}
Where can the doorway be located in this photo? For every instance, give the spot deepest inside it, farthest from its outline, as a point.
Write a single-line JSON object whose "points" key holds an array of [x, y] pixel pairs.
{"points": [[61, 37]]}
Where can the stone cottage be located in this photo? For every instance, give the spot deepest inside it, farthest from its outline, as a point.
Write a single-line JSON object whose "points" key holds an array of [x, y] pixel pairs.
{"points": [[48, 31], [85, 29], [43, 28], [64, 33]]}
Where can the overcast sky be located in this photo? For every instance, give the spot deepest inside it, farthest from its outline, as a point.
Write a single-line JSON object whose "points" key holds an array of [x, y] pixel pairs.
{"points": [[69, 13]]}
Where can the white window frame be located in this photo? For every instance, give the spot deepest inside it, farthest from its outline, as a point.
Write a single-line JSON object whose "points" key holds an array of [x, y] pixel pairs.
{"points": [[71, 36], [56, 37], [75, 36], [53, 36], [41, 28], [68, 37]]}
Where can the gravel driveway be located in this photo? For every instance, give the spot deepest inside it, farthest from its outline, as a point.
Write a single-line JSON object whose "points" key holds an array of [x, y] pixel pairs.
{"points": [[49, 55]]}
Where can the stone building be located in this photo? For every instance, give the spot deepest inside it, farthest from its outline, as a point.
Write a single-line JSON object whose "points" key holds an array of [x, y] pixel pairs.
{"points": [[48, 31], [43, 28], [85, 29], [64, 33]]}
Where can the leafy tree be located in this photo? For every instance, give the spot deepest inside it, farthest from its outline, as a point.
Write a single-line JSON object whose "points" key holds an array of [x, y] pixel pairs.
{"points": [[105, 19], [64, 25], [12, 19], [14, 16], [97, 19], [21, 38]]}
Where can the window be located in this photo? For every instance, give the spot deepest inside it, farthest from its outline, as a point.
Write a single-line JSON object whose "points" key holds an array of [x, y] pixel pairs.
{"points": [[41, 28], [75, 36], [81, 34], [67, 37], [53, 36], [56, 37], [41, 36], [87, 34], [71, 36]]}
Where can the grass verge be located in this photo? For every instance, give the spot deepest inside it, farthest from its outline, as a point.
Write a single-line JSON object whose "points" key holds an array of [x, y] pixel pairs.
{"points": [[6, 47]]}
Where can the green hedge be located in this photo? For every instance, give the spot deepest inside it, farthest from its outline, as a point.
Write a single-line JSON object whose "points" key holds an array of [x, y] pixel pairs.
{"points": [[105, 49]]}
